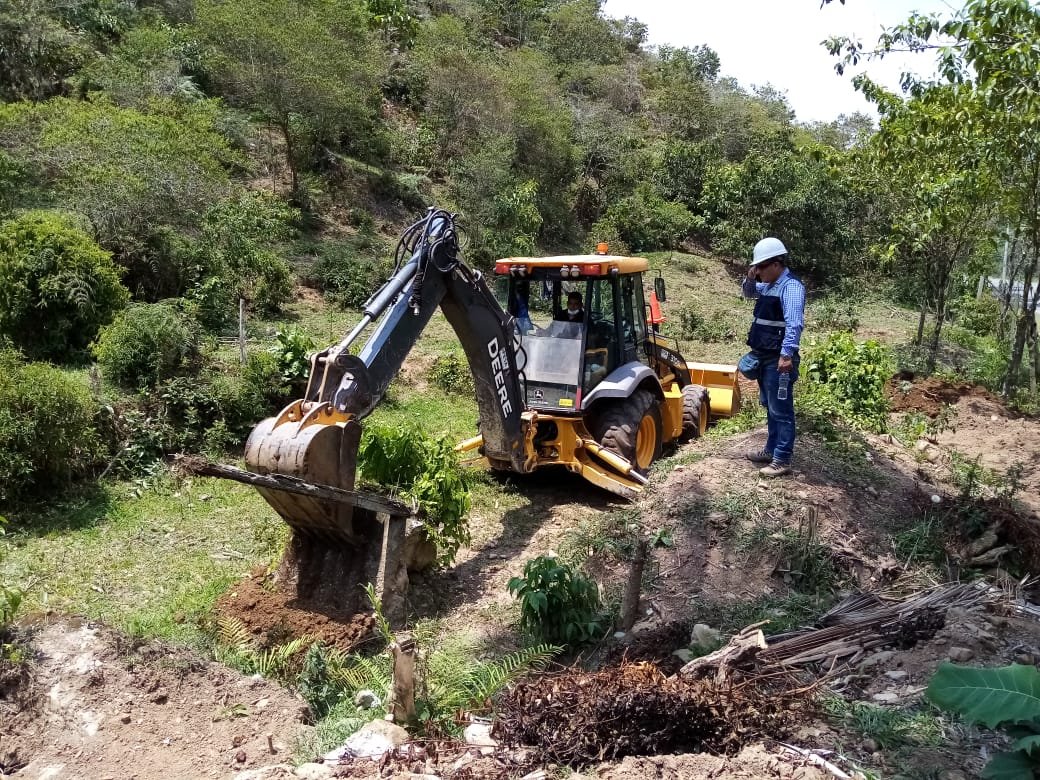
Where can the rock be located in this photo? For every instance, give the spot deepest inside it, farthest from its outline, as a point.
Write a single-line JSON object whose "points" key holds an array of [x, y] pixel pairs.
{"points": [[952, 774], [869, 745], [313, 771], [159, 697], [684, 654], [882, 657], [705, 637], [366, 699], [619, 634], [479, 734], [922, 445], [897, 675], [936, 499], [961, 654], [273, 772], [125, 717], [872, 490], [932, 455], [888, 697], [1027, 659], [240, 756], [374, 740], [987, 541]]}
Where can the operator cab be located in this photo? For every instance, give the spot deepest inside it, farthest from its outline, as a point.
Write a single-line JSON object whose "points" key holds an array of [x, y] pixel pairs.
{"points": [[562, 357]]}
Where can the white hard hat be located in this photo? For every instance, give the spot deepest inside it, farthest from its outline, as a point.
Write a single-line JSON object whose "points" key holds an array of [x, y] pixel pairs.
{"points": [[767, 249]]}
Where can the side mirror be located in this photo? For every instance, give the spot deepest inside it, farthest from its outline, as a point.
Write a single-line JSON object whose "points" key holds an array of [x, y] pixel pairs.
{"points": [[659, 289]]}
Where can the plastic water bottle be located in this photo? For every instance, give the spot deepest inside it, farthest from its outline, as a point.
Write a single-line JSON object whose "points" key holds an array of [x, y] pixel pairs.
{"points": [[781, 388]]}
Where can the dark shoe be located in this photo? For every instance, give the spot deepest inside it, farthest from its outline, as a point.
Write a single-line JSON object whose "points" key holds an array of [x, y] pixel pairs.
{"points": [[760, 457], [775, 469]]}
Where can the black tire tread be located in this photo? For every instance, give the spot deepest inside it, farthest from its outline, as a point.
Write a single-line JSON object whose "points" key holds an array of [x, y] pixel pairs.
{"points": [[616, 428], [694, 400]]}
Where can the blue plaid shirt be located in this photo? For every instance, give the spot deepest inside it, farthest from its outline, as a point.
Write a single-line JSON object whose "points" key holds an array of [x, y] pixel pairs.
{"points": [[792, 298]]}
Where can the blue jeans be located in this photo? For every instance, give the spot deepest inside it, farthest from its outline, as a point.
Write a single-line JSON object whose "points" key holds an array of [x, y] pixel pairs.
{"points": [[779, 414]]}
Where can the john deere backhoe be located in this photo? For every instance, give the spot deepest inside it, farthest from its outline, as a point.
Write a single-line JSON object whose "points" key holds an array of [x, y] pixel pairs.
{"points": [[598, 397]]}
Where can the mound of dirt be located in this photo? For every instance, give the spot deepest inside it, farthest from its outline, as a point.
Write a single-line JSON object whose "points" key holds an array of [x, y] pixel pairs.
{"points": [[273, 617], [90, 704], [929, 396]]}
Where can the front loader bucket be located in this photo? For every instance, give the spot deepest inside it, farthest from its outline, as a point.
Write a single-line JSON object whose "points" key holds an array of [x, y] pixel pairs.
{"points": [[317, 444]]}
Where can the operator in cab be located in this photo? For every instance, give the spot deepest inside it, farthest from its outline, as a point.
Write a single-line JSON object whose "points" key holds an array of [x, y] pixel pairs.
{"points": [[575, 311]]}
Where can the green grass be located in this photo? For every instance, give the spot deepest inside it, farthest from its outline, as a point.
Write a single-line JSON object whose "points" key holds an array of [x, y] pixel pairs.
{"points": [[150, 559], [889, 727], [783, 613]]}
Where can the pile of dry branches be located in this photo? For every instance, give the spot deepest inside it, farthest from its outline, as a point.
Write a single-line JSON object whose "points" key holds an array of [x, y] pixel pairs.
{"points": [[578, 718]]}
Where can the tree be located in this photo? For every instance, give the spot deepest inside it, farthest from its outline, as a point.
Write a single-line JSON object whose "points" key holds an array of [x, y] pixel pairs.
{"points": [[990, 53], [946, 198], [310, 68]]}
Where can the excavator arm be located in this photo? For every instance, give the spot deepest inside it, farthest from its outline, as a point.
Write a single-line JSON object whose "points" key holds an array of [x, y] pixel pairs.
{"points": [[316, 438]]}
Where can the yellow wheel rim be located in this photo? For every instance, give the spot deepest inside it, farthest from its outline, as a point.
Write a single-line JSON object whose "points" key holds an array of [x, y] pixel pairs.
{"points": [[646, 442]]}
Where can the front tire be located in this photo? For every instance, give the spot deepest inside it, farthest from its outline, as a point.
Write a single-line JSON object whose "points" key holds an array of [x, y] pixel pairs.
{"points": [[632, 428], [696, 410]]}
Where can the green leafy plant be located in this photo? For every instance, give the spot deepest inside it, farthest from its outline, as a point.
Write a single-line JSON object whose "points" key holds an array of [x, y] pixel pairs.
{"points": [[1007, 697], [425, 470], [292, 351], [146, 344], [57, 286], [557, 603], [236, 647], [852, 376]]}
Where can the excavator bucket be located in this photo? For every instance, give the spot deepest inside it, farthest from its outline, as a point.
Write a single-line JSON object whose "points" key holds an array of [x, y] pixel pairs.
{"points": [[316, 443]]}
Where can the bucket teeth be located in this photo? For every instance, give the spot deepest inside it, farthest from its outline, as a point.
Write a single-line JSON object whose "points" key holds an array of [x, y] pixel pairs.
{"points": [[316, 445]]}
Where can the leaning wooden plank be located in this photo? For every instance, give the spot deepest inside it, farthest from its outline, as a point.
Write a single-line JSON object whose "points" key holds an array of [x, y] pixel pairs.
{"points": [[370, 501]]}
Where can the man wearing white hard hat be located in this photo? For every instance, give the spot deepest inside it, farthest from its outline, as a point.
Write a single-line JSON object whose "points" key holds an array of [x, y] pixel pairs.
{"points": [[776, 329]]}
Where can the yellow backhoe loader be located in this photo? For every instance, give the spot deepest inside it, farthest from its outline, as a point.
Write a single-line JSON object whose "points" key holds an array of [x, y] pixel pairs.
{"points": [[599, 396]]}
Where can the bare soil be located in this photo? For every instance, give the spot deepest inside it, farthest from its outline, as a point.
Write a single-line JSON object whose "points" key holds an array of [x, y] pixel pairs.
{"points": [[274, 617], [89, 704]]}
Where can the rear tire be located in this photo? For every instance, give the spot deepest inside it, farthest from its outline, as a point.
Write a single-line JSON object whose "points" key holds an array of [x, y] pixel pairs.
{"points": [[696, 407], [632, 428]]}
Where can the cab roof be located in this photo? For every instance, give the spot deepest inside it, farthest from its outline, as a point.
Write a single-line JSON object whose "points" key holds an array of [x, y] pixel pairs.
{"points": [[623, 264]]}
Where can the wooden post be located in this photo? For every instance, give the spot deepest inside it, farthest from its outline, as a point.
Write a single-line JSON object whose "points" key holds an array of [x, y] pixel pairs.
{"points": [[630, 601], [242, 330], [402, 696]]}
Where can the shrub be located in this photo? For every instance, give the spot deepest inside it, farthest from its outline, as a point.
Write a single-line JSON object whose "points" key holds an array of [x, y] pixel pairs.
{"points": [[852, 375], [981, 316], [349, 272], [57, 286], [451, 374], [693, 325], [265, 373], [146, 344], [47, 427], [557, 604], [425, 470], [645, 221]]}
